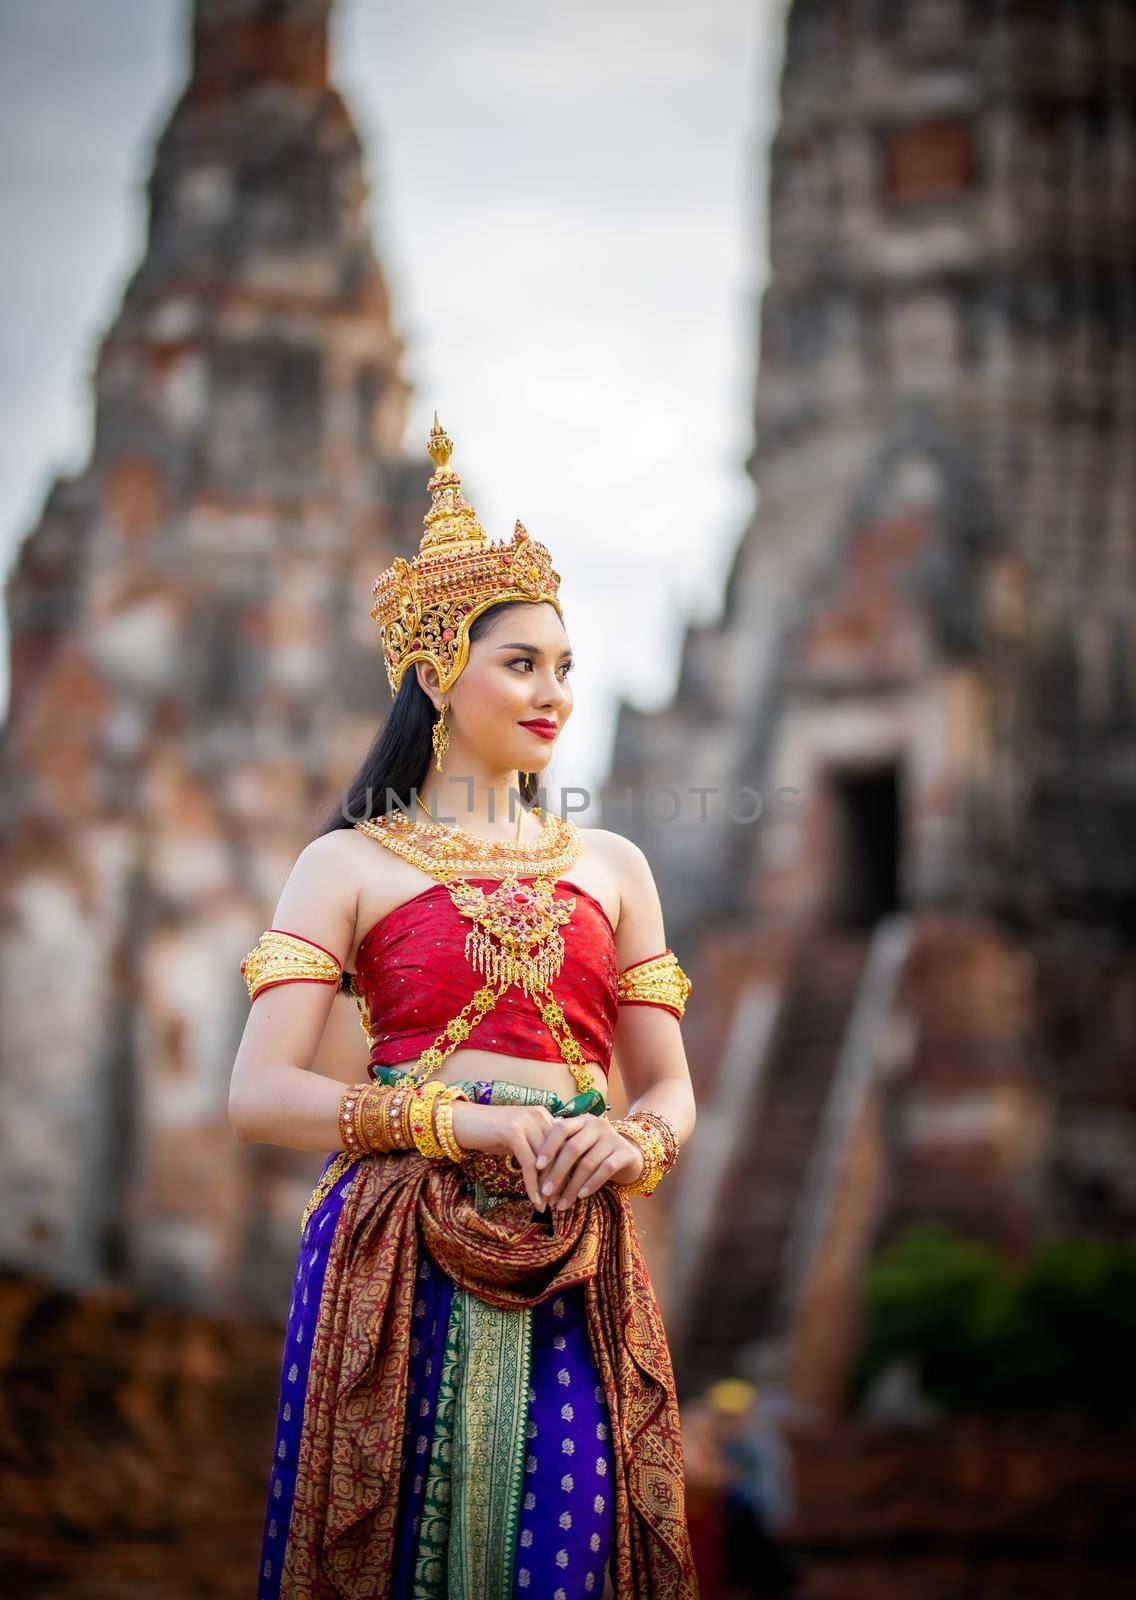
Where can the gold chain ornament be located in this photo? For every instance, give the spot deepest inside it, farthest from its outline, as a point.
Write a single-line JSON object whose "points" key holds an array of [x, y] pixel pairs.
{"points": [[515, 938]]}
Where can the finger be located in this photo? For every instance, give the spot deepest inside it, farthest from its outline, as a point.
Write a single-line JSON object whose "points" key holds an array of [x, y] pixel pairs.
{"points": [[536, 1130], [575, 1143], [552, 1142], [587, 1177], [523, 1152], [605, 1169]]}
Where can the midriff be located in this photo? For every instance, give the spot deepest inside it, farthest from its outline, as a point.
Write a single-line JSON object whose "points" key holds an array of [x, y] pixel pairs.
{"points": [[469, 1062]]}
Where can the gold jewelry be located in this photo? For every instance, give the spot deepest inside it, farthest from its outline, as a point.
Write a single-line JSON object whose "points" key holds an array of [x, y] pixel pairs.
{"points": [[348, 1130], [374, 1118], [422, 1120], [400, 1109], [279, 957], [431, 845], [444, 1122], [515, 937], [424, 607], [369, 1119], [440, 736], [657, 1141], [658, 981], [390, 1108]]}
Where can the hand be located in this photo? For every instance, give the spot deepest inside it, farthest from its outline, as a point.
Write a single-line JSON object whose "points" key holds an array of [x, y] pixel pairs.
{"points": [[579, 1154], [518, 1131]]}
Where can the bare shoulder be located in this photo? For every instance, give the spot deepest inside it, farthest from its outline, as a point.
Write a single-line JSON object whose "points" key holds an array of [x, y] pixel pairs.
{"points": [[640, 913], [620, 854], [319, 899]]}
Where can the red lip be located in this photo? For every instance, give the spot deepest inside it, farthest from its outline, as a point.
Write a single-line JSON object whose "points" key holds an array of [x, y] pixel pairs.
{"points": [[546, 730]]}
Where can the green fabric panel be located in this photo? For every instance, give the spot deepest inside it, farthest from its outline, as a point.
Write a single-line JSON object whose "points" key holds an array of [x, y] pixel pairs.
{"points": [[490, 1443]]}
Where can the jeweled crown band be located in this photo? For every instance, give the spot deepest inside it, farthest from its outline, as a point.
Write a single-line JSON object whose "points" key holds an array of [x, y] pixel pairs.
{"points": [[657, 981]]}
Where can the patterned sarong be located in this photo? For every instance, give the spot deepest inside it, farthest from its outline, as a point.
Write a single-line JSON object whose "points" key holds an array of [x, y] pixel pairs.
{"points": [[476, 1402]]}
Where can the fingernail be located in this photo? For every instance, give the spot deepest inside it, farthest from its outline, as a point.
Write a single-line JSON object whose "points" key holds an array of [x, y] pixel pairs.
{"points": [[540, 1160], [547, 1189]]}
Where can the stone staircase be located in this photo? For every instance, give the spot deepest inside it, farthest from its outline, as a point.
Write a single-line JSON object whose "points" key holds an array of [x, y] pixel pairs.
{"points": [[736, 1306]]}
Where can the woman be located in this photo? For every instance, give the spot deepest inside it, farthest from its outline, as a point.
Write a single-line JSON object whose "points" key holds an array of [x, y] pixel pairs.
{"points": [[476, 1394]]}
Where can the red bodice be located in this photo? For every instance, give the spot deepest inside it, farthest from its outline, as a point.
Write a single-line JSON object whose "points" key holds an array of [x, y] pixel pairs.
{"points": [[414, 976]]}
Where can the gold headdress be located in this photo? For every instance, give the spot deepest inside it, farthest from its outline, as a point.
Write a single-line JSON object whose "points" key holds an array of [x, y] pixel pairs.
{"points": [[424, 607]]}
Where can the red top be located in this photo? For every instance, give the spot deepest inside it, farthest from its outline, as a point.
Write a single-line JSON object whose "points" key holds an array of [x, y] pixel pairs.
{"points": [[415, 977]]}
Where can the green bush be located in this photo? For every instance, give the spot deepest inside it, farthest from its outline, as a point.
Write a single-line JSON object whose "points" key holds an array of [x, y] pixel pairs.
{"points": [[1054, 1334]]}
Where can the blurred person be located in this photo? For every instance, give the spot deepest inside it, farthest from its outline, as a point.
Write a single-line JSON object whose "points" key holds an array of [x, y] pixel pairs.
{"points": [[707, 1479], [476, 1391], [760, 1497]]}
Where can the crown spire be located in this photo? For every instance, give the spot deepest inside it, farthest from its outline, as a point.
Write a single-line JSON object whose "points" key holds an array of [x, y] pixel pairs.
{"points": [[451, 519]]}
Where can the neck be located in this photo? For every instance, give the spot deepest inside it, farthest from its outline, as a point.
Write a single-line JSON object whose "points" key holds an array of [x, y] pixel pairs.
{"points": [[488, 804]]}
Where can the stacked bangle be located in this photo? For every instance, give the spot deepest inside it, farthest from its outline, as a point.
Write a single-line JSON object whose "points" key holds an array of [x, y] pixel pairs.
{"points": [[375, 1116], [656, 1138], [444, 1122]]}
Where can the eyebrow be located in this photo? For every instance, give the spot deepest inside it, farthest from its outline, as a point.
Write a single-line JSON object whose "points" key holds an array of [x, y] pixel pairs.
{"points": [[535, 649]]}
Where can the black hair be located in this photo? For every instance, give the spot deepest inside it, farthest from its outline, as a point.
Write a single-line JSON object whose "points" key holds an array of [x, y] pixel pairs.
{"points": [[402, 749]]}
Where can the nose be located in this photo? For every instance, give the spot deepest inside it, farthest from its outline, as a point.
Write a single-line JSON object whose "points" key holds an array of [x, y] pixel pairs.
{"points": [[555, 693]]}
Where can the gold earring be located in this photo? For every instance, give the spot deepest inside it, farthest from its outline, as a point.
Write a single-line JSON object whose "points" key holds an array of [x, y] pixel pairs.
{"points": [[440, 735]]}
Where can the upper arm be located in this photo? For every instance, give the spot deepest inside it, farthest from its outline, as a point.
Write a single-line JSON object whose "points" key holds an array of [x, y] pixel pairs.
{"points": [[648, 1038], [286, 1020], [639, 932]]}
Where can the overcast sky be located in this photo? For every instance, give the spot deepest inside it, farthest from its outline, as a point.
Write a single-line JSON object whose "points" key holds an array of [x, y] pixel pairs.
{"points": [[602, 164]]}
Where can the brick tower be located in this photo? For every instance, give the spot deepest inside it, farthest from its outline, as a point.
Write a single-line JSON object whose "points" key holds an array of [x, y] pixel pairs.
{"points": [[918, 982], [194, 673]]}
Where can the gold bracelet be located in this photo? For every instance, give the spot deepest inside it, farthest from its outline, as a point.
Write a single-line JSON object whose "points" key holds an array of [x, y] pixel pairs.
{"points": [[404, 1136], [444, 1123], [422, 1119], [364, 1136], [348, 1102], [391, 1129], [657, 1141], [665, 1131], [371, 1118]]}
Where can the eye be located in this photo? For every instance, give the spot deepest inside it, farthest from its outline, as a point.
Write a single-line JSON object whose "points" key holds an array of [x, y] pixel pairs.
{"points": [[564, 668]]}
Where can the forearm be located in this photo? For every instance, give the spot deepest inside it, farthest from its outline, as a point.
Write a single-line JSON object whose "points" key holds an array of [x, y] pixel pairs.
{"points": [[290, 1106], [671, 1098]]}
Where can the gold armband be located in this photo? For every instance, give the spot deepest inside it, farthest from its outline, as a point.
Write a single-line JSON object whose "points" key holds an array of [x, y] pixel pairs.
{"points": [[279, 957], [657, 981]]}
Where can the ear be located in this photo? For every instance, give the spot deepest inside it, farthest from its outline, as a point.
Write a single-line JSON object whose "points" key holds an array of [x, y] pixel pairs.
{"points": [[429, 682]]}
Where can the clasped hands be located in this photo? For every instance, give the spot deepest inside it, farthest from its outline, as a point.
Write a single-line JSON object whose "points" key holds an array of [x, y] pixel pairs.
{"points": [[562, 1158], [577, 1155]]}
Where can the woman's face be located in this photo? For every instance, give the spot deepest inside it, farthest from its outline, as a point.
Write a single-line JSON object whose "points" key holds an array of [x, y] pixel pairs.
{"points": [[516, 672]]}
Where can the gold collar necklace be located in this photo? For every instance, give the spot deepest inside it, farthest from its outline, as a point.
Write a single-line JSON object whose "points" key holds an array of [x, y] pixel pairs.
{"points": [[446, 852]]}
